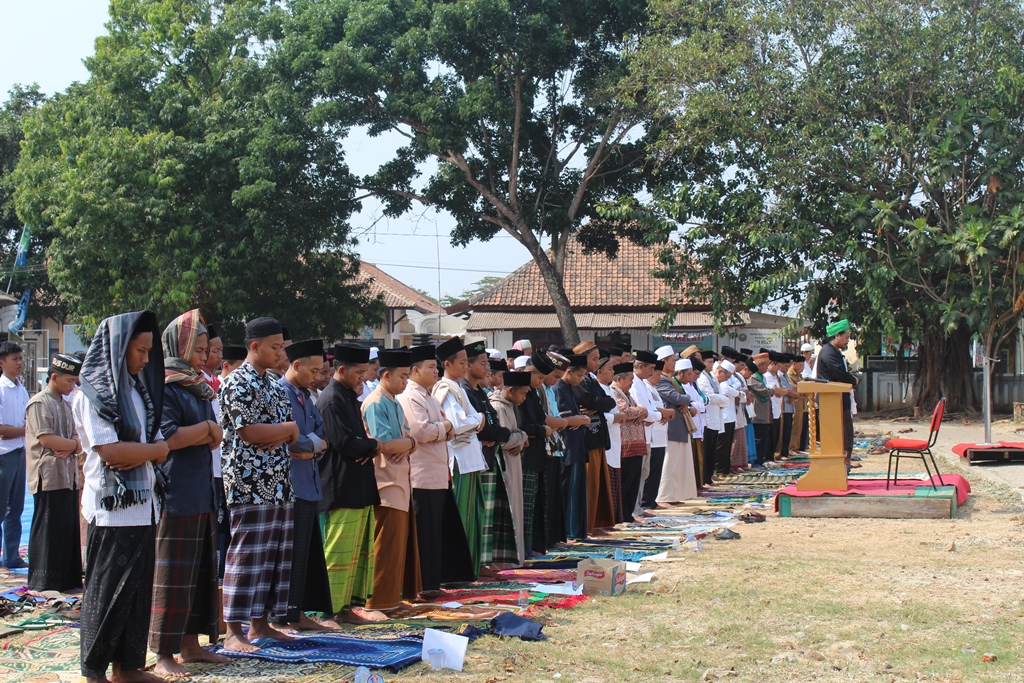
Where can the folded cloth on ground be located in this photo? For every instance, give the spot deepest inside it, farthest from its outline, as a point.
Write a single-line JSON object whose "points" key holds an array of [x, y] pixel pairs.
{"points": [[516, 626], [394, 653]]}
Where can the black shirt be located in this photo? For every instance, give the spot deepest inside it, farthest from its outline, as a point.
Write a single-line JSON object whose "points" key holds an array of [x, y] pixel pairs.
{"points": [[492, 431], [346, 482], [832, 366], [590, 396], [532, 420], [189, 488]]}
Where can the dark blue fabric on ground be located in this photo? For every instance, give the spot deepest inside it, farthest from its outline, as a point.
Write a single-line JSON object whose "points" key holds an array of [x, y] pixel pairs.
{"points": [[515, 626]]}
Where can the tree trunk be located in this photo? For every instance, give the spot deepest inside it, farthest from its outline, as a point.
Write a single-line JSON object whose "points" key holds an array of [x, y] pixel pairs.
{"points": [[556, 288], [945, 368]]}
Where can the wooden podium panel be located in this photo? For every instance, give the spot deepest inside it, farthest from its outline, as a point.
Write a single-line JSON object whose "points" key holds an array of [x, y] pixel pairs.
{"points": [[828, 466]]}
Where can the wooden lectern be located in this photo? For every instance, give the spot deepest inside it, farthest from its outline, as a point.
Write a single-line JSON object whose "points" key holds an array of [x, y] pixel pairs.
{"points": [[828, 467]]}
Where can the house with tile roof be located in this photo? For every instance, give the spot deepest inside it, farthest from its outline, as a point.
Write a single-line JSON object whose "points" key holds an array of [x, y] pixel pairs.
{"points": [[405, 309], [614, 300]]}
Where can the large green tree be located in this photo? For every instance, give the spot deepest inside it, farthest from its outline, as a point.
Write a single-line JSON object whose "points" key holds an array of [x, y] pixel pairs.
{"points": [[513, 110], [869, 164], [184, 174], [46, 302]]}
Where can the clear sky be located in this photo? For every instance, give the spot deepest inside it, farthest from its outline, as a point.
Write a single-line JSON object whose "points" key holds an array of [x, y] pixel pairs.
{"points": [[45, 41]]}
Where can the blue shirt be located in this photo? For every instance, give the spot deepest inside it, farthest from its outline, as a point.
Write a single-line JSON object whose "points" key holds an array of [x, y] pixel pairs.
{"points": [[575, 445], [190, 478], [305, 473]]}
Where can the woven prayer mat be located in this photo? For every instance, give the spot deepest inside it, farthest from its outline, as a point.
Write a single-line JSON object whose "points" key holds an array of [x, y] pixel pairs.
{"points": [[51, 656], [395, 653], [435, 612], [523, 576], [413, 628]]}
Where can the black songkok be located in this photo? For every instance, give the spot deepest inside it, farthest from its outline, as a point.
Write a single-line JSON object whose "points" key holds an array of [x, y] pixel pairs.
{"points": [[233, 354], [623, 368], [500, 365], [512, 354], [258, 328], [645, 357], [517, 379], [422, 353], [395, 358], [475, 349], [65, 365], [305, 349], [449, 348], [351, 354], [212, 333], [542, 363]]}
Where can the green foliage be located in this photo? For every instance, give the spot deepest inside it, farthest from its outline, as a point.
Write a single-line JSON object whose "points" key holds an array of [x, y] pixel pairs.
{"points": [[862, 159], [479, 287], [21, 103], [520, 103], [183, 174]]}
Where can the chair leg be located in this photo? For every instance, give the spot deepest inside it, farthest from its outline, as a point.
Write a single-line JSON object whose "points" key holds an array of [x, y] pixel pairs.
{"points": [[936, 466], [888, 474], [928, 471], [896, 472]]}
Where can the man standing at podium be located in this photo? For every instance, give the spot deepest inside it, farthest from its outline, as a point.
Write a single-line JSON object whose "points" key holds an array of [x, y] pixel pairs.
{"points": [[831, 365]]}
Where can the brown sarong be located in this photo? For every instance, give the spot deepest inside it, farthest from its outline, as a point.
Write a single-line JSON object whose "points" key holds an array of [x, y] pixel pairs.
{"points": [[600, 513], [396, 569]]}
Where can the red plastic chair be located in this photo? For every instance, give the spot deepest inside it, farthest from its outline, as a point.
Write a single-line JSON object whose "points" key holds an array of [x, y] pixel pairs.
{"points": [[916, 448]]}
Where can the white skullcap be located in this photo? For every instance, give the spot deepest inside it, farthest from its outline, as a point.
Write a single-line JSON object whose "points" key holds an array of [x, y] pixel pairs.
{"points": [[493, 354], [523, 344], [684, 364], [520, 362], [664, 352], [373, 352], [727, 365], [807, 347]]}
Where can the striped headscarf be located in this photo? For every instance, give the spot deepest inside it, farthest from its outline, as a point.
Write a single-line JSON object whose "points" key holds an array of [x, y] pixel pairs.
{"points": [[179, 341]]}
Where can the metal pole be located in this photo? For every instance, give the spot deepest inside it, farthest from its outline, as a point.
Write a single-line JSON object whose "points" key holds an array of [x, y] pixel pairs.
{"points": [[987, 400]]}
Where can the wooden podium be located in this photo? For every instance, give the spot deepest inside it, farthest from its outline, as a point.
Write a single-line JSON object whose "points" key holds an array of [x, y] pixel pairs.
{"points": [[828, 466]]}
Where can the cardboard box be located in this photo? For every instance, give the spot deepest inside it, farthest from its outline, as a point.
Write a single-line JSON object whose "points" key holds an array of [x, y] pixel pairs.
{"points": [[601, 577]]}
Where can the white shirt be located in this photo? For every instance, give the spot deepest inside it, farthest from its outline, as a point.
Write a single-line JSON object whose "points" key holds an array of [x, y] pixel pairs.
{"points": [[613, 454], [729, 390], [771, 381], [716, 401], [699, 420], [659, 430], [13, 399], [215, 452], [807, 372], [470, 454], [94, 431], [736, 381], [641, 395]]}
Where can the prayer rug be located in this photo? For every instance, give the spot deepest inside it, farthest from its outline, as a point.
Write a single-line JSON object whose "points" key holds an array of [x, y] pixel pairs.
{"points": [[52, 656], [394, 653], [538, 575], [876, 487]]}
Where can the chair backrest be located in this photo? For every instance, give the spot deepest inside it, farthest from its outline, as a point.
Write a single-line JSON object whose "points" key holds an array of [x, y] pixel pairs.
{"points": [[940, 409]]}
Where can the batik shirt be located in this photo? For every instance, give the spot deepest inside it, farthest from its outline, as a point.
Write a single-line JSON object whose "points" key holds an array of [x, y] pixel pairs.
{"points": [[252, 476]]}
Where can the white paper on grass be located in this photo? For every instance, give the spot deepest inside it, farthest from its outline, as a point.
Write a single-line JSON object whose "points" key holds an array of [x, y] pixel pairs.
{"points": [[567, 588], [655, 558], [640, 578], [452, 605], [632, 566], [454, 647]]}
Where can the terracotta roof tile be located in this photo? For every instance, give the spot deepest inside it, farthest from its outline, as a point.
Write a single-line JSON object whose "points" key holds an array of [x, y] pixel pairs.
{"points": [[394, 293], [483, 321], [593, 282]]}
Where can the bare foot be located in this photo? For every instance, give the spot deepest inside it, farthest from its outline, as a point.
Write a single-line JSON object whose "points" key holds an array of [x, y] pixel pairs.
{"points": [[119, 675], [166, 665], [306, 624], [358, 615], [265, 630], [198, 654], [236, 643], [648, 513]]}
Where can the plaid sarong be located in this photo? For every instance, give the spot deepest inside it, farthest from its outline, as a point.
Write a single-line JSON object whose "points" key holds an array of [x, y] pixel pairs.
{"points": [[258, 566], [497, 528], [185, 597], [739, 449], [469, 499], [348, 548]]}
